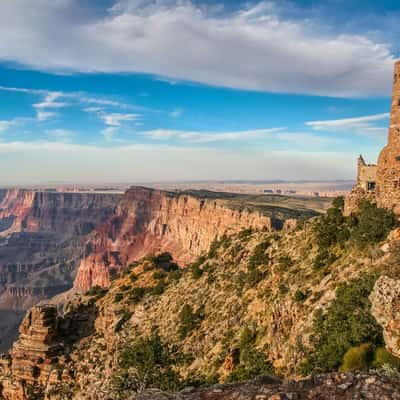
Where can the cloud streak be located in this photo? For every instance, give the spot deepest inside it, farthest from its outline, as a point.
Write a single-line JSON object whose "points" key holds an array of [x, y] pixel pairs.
{"points": [[241, 49], [364, 126]]}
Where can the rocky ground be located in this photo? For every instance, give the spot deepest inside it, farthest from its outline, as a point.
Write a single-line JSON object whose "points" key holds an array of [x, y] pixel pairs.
{"points": [[351, 386]]}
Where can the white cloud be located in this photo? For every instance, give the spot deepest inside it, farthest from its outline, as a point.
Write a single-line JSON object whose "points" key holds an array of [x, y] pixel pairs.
{"points": [[208, 137], [44, 115], [365, 125], [250, 49], [116, 119], [4, 125], [50, 101]]}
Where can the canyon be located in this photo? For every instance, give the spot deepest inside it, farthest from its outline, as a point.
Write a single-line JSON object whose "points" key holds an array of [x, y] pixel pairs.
{"points": [[42, 237], [149, 221], [51, 242]]}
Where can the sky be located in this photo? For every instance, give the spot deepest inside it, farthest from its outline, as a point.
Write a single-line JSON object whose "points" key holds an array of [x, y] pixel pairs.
{"points": [[132, 91]]}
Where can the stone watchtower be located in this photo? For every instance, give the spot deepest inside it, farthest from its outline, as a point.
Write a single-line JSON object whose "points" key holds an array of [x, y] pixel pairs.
{"points": [[388, 172]]}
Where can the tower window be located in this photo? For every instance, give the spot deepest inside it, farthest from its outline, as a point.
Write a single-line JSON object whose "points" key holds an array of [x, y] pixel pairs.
{"points": [[370, 185]]}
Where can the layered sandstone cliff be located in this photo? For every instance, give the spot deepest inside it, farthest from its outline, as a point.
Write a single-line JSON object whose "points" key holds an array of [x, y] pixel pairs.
{"points": [[65, 213], [149, 221], [42, 236]]}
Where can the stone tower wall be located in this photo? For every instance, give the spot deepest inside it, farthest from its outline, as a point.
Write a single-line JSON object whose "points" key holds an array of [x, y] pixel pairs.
{"points": [[388, 173]]}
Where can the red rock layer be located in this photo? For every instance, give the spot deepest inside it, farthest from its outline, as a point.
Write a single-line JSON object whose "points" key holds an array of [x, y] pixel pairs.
{"points": [[67, 213], [148, 221]]}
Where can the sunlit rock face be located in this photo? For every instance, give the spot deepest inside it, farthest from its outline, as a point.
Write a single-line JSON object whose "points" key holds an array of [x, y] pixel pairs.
{"points": [[385, 300], [148, 221]]}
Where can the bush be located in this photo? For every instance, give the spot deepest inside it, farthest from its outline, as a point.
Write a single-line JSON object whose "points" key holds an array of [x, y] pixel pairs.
{"points": [[147, 363], [133, 277], [324, 259], [245, 233], [347, 323], [97, 292], [252, 363], [258, 256], [300, 296], [158, 275], [383, 357], [188, 320], [358, 358], [158, 289], [196, 271], [118, 297], [137, 294], [372, 225], [369, 226]]}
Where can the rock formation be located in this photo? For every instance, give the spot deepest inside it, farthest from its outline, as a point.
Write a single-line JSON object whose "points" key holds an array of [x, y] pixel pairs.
{"points": [[149, 221], [66, 213], [385, 300], [41, 242]]}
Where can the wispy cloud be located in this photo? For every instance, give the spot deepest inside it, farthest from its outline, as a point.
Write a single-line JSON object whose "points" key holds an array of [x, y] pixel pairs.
{"points": [[4, 125], [208, 137], [365, 125], [116, 119]]}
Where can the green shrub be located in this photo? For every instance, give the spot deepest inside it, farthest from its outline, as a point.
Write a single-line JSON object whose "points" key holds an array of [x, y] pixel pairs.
{"points": [[324, 259], [358, 358], [158, 275], [146, 363], [97, 292], [159, 288], [373, 224], [188, 320], [347, 323], [196, 271], [245, 233], [283, 288], [175, 275], [383, 357], [133, 277], [118, 297], [300, 296], [136, 294], [254, 276], [258, 256], [252, 363]]}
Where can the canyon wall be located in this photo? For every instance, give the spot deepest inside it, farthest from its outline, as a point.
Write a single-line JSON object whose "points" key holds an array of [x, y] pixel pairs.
{"points": [[42, 239], [66, 213], [148, 221]]}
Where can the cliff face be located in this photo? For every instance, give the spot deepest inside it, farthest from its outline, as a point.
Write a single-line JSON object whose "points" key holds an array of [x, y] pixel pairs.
{"points": [[148, 221], [66, 213], [42, 236], [385, 300]]}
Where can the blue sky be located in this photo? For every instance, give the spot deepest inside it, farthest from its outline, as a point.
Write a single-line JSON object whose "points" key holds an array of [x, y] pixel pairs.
{"points": [[131, 90]]}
